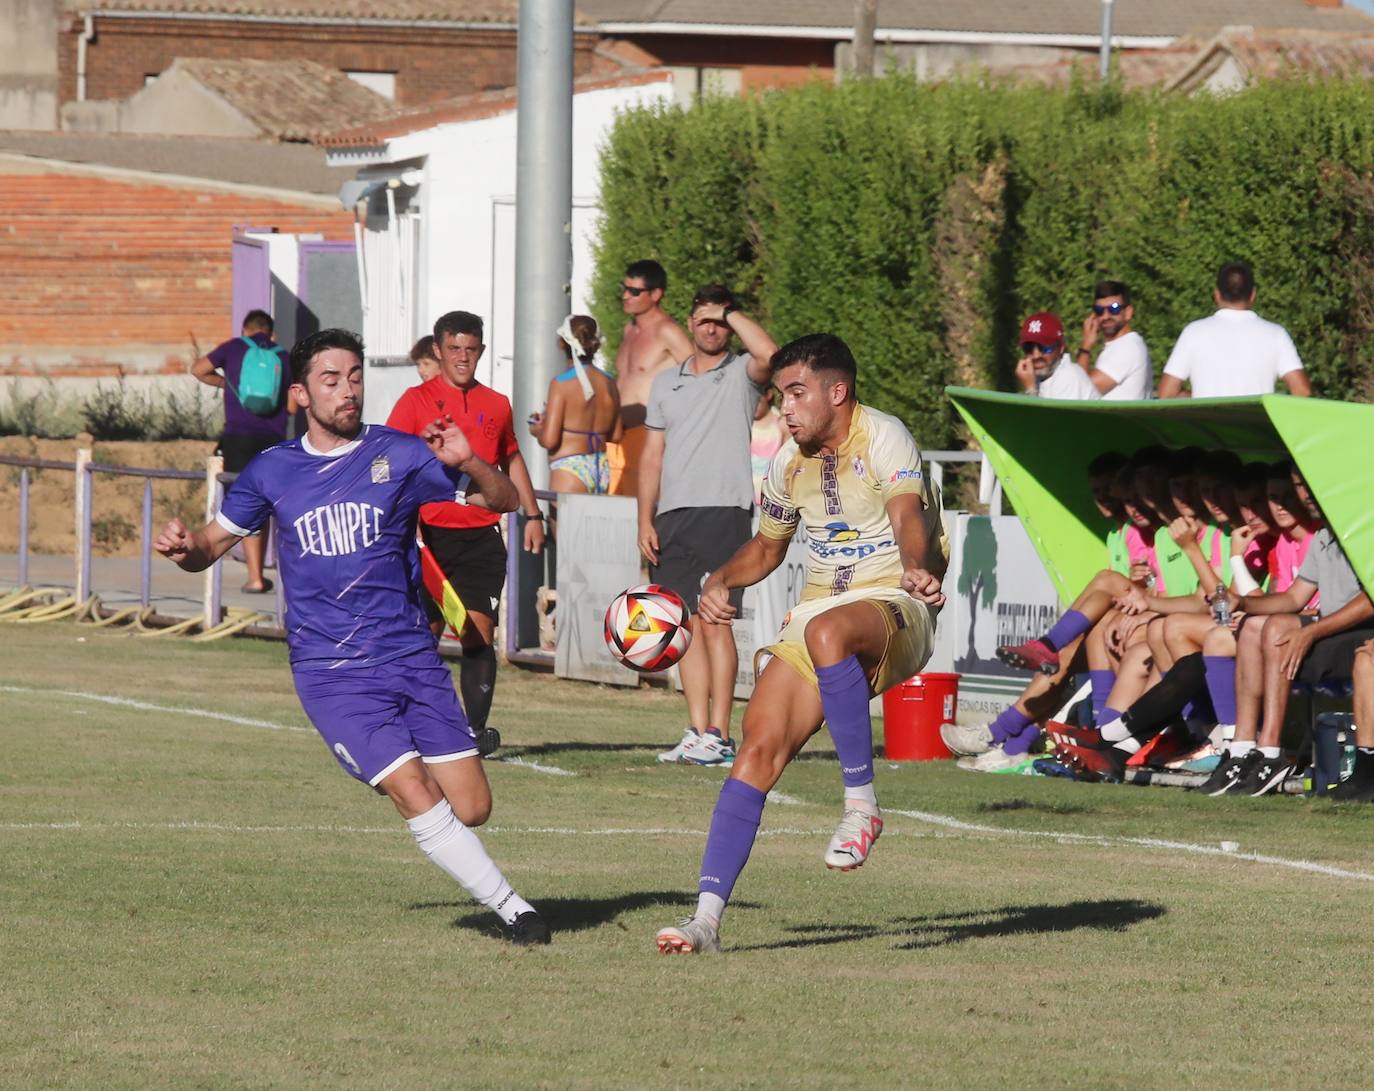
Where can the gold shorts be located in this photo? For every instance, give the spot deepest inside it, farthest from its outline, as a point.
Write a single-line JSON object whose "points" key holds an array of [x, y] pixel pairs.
{"points": [[624, 458], [909, 625]]}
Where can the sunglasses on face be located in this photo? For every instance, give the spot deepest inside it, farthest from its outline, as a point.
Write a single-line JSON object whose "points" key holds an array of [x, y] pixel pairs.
{"points": [[1100, 309], [636, 292], [1029, 347]]}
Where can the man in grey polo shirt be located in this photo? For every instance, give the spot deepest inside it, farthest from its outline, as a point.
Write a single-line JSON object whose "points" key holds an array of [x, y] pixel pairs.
{"points": [[696, 489]]}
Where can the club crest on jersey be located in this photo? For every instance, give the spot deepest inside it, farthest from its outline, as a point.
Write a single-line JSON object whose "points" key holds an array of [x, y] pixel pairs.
{"points": [[381, 470], [858, 467]]}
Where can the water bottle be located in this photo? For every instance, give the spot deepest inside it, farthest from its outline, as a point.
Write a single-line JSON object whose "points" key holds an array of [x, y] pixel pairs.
{"points": [[1221, 607]]}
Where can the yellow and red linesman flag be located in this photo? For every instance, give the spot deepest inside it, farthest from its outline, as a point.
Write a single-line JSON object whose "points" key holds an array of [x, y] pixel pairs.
{"points": [[440, 590]]}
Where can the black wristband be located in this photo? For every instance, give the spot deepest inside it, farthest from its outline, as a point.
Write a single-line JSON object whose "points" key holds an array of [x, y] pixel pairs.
{"points": [[730, 309], [537, 517]]}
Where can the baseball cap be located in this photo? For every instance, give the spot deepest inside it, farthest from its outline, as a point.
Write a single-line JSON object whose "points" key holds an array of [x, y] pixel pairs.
{"points": [[1042, 328]]}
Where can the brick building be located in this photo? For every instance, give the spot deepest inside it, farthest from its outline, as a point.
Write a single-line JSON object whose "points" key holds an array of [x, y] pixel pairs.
{"points": [[118, 249], [411, 51]]}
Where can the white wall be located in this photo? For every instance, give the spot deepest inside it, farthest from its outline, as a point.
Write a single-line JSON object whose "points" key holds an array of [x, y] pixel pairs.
{"points": [[469, 185]]}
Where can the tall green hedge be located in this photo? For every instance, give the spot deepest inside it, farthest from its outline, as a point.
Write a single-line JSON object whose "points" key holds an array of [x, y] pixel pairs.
{"points": [[921, 222]]}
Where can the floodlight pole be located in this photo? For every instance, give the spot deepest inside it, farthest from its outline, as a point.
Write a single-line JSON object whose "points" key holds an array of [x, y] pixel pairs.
{"points": [[543, 208], [1104, 55], [865, 29]]}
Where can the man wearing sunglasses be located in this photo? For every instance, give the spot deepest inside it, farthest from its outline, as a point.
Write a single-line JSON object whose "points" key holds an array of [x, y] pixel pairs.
{"points": [[652, 342], [1043, 369], [1123, 371]]}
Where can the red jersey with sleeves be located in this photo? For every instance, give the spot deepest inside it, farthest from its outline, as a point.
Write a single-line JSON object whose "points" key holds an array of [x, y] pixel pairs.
{"points": [[484, 417]]}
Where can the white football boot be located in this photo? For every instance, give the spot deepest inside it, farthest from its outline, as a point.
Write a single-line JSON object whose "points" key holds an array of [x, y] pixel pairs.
{"points": [[853, 840]]}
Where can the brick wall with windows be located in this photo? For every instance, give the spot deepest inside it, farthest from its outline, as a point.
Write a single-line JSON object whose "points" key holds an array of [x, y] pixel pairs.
{"points": [[429, 63], [102, 275]]}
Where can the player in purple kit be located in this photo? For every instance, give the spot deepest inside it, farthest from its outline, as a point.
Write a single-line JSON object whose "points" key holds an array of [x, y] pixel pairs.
{"points": [[364, 661]]}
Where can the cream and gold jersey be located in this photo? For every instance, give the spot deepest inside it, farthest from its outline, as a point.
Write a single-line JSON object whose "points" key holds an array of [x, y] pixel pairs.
{"points": [[841, 500]]}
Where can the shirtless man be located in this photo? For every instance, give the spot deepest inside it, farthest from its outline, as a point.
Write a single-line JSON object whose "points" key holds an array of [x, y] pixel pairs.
{"points": [[652, 341], [581, 415]]}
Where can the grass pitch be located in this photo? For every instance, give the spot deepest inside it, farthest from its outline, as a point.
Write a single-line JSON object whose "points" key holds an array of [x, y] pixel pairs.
{"points": [[201, 902]]}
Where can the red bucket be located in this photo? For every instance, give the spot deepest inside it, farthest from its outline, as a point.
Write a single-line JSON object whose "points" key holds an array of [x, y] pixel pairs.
{"points": [[912, 714]]}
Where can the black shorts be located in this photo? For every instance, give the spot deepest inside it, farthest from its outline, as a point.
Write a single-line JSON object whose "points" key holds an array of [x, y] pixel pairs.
{"points": [[695, 541], [1333, 657], [239, 448], [474, 560]]}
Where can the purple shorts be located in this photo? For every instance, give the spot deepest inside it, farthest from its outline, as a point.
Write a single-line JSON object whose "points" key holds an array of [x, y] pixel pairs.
{"points": [[376, 719]]}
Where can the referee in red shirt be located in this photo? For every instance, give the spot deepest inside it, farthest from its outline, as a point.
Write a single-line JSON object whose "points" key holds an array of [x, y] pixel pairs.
{"points": [[466, 540]]}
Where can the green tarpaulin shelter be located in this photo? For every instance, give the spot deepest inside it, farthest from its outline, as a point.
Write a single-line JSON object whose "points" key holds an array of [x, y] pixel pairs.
{"points": [[1041, 448]]}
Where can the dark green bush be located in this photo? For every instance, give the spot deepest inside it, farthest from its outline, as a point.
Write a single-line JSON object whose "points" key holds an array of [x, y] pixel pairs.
{"points": [[921, 222]]}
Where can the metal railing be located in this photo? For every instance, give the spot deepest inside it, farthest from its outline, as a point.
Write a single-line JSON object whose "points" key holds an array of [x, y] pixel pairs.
{"points": [[84, 469]]}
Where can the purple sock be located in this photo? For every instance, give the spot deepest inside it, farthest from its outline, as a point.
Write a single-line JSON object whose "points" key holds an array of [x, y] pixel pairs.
{"points": [[1022, 741], [1068, 628], [844, 699], [1011, 722], [1102, 682], [734, 825], [1221, 685], [1108, 715]]}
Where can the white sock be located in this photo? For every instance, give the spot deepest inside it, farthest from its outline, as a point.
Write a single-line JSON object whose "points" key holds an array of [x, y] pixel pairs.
{"points": [[711, 906], [1115, 730], [457, 851], [1239, 749], [1130, 744], [862, 798], [1270, 752]]}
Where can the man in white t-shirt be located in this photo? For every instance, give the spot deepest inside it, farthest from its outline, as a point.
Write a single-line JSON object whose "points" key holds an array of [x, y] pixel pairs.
{"points": [[1124, 372], [1044, 370], [1235, 353]]}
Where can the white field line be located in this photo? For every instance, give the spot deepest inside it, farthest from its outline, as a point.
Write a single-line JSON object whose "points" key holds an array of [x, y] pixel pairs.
{"points": [[552, 770], [224, 717], [562, 831], [1140, 842], [144, 706]]}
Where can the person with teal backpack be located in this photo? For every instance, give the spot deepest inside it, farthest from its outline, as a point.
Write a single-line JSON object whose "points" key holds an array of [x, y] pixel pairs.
{"points": [[251, 370]]}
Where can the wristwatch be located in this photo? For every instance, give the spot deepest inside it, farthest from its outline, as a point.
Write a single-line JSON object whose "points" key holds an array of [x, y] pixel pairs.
{"points": [[730, 309], [1083, 349]]}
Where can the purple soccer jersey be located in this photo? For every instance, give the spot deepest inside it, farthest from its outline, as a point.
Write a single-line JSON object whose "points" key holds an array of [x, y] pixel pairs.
{"points": [[346, 544]]}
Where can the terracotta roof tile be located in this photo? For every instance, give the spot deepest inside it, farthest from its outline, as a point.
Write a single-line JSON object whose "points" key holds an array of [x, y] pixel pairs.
{"points": [[298, 101], [464, 108], [498, 12]]}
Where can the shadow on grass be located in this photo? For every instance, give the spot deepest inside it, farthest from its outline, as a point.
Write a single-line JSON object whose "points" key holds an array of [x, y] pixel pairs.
{"points": [[580, 914], [1110, 915]]}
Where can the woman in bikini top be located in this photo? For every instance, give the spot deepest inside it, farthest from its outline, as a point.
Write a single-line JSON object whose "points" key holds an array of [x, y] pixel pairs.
{"points": [[581, 415]]}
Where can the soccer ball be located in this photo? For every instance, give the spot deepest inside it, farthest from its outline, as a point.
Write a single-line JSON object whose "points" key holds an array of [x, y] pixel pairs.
{"points": [[646, 628]]}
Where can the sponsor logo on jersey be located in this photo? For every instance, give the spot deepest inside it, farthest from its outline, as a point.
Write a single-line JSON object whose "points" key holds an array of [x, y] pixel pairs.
{"points": [[842, 540], [334, 530], [905, 475], [381, 470]]}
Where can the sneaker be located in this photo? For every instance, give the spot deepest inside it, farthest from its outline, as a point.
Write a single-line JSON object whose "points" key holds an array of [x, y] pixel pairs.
{"points": [[1226, 775], [996, 760], [1075, 735], [488, 742], [1092, 765], [692, 936], [966, 739], [1169, 745], [1263, 775], [529, 930], [709, 749], [1201, 759], [674, 756], [1033, 655], [853, 840]]}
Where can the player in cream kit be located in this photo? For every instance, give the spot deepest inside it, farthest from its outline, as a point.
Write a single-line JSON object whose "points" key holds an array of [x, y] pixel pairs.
{"points": [[364, 661], [866, 619]]}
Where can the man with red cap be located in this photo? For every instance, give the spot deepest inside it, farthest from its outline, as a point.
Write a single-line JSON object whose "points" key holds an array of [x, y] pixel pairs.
{"points": [[1043, 369]]}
